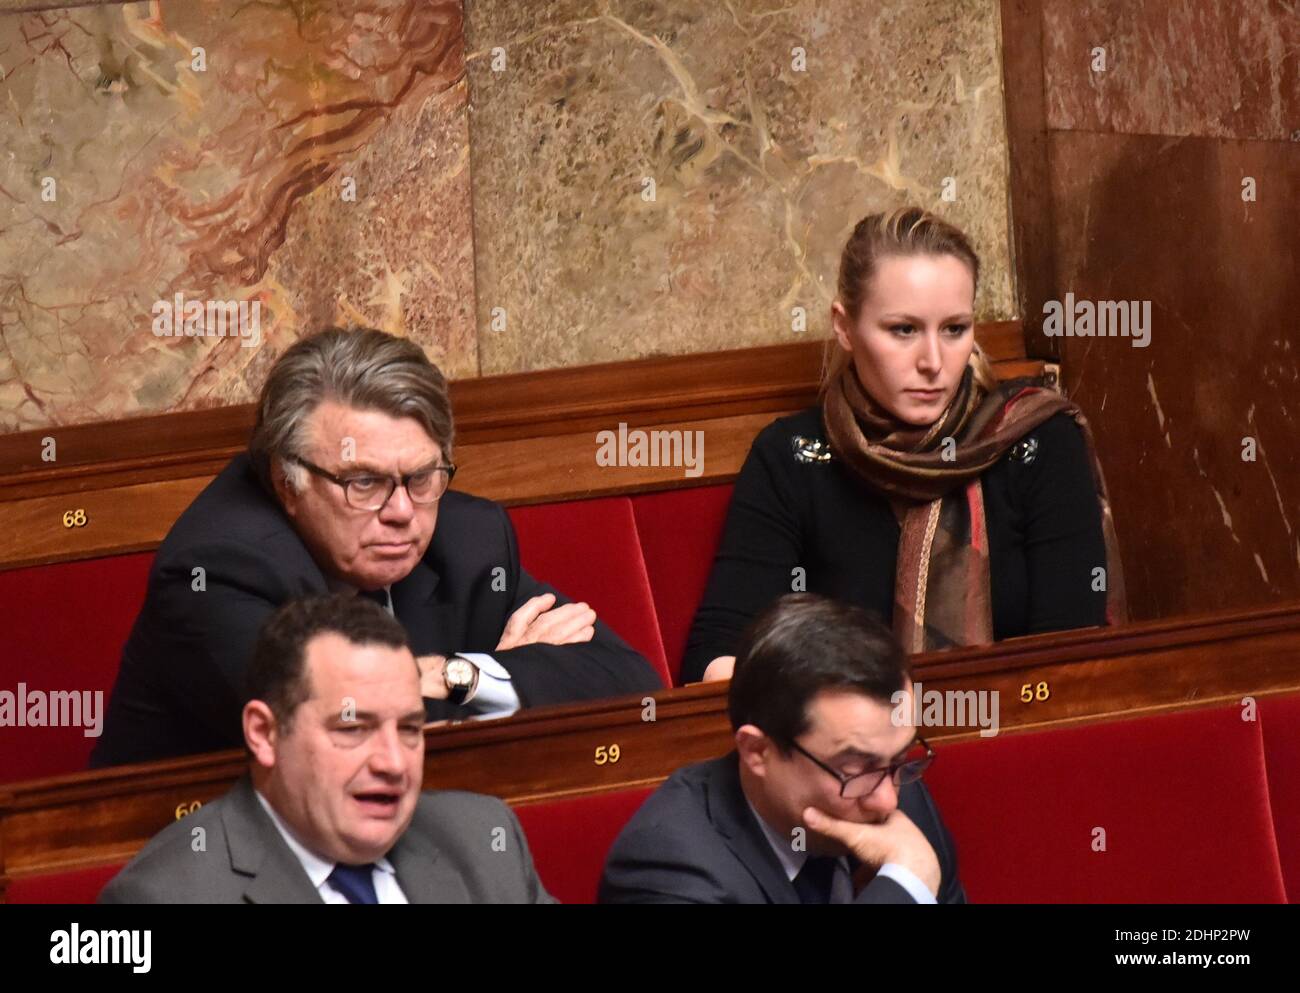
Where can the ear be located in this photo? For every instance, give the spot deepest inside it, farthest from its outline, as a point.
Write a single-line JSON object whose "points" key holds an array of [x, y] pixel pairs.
{"points": [[260, 732], [842, 325], [287, 494], [754, 748]]}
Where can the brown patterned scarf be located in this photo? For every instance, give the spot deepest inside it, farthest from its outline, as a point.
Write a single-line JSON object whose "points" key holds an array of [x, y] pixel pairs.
{"points": [[931, 476]]}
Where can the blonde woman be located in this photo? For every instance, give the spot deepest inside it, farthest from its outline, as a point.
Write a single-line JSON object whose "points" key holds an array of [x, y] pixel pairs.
{"points": [[960, 510]]}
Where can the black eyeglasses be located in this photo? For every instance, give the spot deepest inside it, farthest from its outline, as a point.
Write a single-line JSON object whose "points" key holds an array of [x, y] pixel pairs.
{"points": [[906, 770], [370, 491]]}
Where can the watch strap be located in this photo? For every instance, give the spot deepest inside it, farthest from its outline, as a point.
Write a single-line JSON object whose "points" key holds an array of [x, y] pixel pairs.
{"points": [[459, 694]]}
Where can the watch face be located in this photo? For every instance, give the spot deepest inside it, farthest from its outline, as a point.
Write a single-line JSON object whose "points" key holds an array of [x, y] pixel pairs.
{"points": [[459, 672]]}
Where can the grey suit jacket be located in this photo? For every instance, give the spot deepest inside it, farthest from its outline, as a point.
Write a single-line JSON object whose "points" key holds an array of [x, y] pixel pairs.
{"points": [[446, 855], [696, 841]]}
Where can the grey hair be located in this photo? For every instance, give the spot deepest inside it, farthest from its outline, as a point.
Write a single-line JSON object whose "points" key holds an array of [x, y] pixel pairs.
{"points": [[357, 367]]}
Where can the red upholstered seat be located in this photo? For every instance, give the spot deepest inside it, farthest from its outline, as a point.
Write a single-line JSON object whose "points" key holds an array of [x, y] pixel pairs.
{"points": [[1181, 797], [74, 886], [680, 531], [64, 628], [569, 839], [588, 550], [1280, 723]]}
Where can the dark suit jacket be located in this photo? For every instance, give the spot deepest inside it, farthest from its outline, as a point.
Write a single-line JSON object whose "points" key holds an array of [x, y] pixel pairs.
{"points": [[446, 855], [181, 684], [696, 841]]}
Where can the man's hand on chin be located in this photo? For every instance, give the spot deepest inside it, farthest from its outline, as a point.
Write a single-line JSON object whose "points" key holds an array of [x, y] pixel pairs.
{"points": [[896, 839]]}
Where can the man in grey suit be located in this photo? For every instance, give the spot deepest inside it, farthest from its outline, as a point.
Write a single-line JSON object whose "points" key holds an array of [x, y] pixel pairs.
{"points": [[331, 810], [821, 800]]}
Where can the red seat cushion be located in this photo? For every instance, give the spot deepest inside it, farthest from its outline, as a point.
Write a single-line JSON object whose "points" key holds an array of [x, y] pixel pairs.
{"points": [[570, 839], [1181, 797], [1280, 722], [680, 531], [74, 886], [588, 550], [64, 629]]}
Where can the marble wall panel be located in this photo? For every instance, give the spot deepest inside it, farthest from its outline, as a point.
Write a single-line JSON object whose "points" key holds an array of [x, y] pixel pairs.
{"points": [[1199, 431], [1173, 179], [762, 160], [1219, 68], [315, 162]]}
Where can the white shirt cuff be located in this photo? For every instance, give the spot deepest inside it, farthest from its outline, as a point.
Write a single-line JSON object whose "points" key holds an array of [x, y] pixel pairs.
{"points": [[495, 694], [909, 880]]}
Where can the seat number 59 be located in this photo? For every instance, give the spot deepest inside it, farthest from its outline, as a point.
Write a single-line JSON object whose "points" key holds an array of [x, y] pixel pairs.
{"points": [[606, 755]]}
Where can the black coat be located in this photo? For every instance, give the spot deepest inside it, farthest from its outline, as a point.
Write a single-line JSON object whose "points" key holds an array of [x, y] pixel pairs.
{"points": [[181, 685], [1041, 512], [695, 840]]}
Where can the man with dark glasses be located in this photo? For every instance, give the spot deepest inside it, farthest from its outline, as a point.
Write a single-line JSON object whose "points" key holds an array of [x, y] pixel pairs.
{"points": [[821, 801]]}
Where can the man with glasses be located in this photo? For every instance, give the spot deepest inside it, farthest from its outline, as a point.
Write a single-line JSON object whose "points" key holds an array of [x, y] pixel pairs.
{"points": [[345, 479], [821, 801]]}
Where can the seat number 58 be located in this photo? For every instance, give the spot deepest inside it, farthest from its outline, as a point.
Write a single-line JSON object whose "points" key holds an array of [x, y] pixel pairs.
{"points": [[1030, 692]]}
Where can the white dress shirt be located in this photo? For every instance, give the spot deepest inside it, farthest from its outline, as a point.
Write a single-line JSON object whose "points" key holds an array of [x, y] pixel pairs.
{"points": [[495, 695], [842, 882], [318, 869]]}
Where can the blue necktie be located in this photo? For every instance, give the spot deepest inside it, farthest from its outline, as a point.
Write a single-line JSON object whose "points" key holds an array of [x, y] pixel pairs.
{"points": [[356, 882], [813, 884]]}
